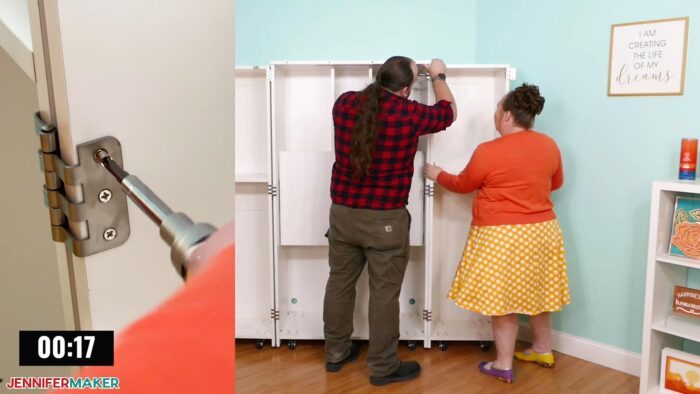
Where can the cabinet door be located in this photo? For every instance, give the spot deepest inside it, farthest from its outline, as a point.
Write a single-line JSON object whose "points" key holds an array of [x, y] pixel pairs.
{"points": [[477, 91], [254, 266]]}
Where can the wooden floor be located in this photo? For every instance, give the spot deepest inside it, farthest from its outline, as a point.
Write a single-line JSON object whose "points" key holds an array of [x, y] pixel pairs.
{"points": [[280, 370]]}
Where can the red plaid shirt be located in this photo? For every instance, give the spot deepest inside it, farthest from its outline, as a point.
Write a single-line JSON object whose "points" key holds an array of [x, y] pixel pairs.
{"points": [[400, 123]]}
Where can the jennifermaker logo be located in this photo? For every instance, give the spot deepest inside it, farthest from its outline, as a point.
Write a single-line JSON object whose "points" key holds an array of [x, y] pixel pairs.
{"points": [[48, 383]]}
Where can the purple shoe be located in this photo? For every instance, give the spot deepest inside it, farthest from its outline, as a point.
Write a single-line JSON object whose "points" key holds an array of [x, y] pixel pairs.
{"points": [[505, 375]]}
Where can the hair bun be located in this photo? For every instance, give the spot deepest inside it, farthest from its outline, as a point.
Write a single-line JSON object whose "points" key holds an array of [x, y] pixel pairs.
{"points": [[527, 97]]}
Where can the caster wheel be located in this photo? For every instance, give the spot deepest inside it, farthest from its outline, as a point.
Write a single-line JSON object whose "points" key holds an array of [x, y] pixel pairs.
{"points": [[259, 343], [485, 346], [412, 345], [442, 346], [292, 344]]}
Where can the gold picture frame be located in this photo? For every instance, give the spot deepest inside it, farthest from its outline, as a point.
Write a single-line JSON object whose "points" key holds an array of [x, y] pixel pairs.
{"points": [[650, 68]]}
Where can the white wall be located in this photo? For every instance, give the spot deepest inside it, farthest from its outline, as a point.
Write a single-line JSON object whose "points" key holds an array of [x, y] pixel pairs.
{"points": [[29, 287], [15, 15], [15, 33]]}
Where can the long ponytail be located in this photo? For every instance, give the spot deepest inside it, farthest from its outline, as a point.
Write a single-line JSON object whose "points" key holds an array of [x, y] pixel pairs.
{"points": [[364, 134]]}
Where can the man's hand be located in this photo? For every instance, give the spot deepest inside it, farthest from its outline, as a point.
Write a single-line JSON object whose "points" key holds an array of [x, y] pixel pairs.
{"points": [[436, 67]]}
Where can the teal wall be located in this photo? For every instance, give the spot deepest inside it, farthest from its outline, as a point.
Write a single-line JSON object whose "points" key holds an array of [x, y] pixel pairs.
{"points": [[268, 30], [613, 147]]}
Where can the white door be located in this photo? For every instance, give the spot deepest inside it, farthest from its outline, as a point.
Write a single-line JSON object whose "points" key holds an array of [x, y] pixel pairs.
{"points": [[254, 274], [158, 76], [477, 90]]}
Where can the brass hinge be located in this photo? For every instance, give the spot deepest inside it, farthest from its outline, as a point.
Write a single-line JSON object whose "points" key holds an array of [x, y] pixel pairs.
{"points": [[104, 207]]}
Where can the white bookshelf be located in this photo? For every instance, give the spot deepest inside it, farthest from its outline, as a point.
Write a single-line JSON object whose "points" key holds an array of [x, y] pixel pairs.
{"points": [[662, 328]]}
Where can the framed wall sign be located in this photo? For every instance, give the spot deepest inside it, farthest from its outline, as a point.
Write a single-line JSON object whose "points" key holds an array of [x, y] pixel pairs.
{"points": [[648, 58]]}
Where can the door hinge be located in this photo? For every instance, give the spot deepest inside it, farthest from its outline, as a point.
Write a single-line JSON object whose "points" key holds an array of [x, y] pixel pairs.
{"points": [[429, 190], [427, 315], [511, 73], [274, 314], [270, 74], [272, 190], [104, 207]]}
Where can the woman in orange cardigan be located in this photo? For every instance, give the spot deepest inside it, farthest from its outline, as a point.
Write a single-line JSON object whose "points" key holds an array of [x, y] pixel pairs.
{"points": [[514, 260]]}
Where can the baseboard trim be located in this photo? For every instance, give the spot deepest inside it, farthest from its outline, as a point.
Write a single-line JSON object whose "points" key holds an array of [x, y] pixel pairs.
{"points": [[585, 349]]}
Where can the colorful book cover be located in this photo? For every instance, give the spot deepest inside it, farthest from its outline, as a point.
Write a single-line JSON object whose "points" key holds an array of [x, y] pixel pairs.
{"points": [[685, 235]]}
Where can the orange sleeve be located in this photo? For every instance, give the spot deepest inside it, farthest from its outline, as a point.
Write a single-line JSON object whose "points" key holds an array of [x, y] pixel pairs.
{"points": [[558, 177], [186, 345], [470, 179]]}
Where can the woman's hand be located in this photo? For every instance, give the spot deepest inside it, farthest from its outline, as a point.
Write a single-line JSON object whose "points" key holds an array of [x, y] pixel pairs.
{"points": [[432, 171]]}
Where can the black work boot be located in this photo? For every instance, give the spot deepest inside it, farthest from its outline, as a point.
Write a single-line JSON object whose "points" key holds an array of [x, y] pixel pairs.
{"points": [[407, 370]]}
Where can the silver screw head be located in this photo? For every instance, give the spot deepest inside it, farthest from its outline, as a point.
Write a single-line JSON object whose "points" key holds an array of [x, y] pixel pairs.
{"points": [[105, 195], [110, 234]]}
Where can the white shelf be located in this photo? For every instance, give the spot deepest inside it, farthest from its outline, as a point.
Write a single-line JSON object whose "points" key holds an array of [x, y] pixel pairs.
{"points": [[676, 260], [256, 177], [680, 326], [692, 187]]}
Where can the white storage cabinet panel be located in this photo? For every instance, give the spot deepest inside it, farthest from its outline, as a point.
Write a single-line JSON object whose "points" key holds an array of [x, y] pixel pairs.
{"points": [[253, 208], [477, 91]]}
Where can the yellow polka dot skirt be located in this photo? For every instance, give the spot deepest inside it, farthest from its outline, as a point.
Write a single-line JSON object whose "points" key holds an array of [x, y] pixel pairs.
{"points": [[512, 269]]}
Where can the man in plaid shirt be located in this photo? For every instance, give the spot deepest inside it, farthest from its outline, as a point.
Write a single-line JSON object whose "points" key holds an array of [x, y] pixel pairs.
{"points": [[377, 132]]}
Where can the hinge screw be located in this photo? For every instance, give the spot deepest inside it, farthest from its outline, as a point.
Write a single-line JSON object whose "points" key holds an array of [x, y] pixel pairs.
{"points": [[105, 195], [110, 234]]}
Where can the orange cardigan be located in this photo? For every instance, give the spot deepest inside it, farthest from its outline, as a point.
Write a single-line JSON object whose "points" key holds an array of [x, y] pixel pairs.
{"points": [[514, 174]]}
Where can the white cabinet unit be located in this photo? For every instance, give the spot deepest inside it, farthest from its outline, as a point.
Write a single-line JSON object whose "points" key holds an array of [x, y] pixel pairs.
{"points": [[662, 328], [300, 97], [254, 275]]}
